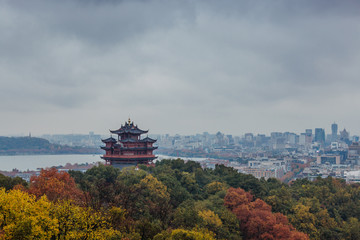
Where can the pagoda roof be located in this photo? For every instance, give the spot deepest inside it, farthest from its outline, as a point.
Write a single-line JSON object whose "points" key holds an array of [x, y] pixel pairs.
{"points": [[129, 127], [106, 148], [110, 139], [147, 139]]}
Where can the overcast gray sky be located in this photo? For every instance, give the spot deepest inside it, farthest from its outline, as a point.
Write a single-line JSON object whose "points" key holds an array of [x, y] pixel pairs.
{"points": [[75, 66]]}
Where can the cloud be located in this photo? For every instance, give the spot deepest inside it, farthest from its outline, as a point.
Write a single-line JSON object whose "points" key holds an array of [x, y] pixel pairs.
{"points": [[94, 63]]}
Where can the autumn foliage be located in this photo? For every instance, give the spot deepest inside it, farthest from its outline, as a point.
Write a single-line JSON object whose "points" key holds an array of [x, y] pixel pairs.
{"points": [[22, 216], [176, 200], [256, 219], [55, 185]]}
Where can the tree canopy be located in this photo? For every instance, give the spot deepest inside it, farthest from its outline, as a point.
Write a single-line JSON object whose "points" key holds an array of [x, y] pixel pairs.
{"points": [[175, 200]]}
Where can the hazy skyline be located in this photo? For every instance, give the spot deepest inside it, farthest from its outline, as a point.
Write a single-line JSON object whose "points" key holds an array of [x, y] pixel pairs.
{"points": [[184, 67]]}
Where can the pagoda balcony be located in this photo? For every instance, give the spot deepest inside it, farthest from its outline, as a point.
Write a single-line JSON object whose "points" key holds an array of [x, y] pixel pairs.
{"points": [[135, 148], [129, 156]]}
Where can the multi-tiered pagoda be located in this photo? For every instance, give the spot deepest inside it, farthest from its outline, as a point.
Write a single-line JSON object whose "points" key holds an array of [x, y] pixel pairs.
{"points": [[128, 148]]}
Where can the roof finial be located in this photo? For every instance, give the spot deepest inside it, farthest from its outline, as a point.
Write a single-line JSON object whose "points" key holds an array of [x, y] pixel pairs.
{"points": [[129, 121]]}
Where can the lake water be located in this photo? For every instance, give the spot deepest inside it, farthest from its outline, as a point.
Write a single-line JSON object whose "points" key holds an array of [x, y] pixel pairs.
{"points": [[32, 162], [160, 157]]}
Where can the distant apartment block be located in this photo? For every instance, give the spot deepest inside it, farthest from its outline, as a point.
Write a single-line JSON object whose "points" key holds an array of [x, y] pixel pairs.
{"points": [[327, 158], [266, 168], [265, 173]]}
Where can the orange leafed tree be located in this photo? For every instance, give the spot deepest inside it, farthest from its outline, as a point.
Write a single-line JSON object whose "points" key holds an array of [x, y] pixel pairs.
{"points": [[55, 185], [256, 219]]}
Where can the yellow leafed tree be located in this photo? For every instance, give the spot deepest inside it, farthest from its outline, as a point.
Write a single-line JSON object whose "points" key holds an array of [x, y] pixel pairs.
{"points": [[22, 217], [180, 234], [210, 218], [215, 187], [77, 222], [156, 187], [304, 220]]}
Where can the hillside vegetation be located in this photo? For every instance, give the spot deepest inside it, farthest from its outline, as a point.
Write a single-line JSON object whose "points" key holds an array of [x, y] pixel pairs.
{"points": [[176, 200], [33, 145]]}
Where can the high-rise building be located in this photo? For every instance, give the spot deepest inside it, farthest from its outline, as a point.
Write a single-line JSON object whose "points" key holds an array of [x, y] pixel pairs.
{"points": [[249, 137], [334, 130], [344, 136], [308, 136], [320, 135]]}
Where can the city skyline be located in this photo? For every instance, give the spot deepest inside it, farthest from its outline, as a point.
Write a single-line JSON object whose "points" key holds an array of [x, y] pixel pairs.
{"points": [[178, 66], [328, 133]]}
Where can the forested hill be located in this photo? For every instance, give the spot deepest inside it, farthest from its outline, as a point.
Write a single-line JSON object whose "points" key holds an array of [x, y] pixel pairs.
{"points": [[173, 200], [34, 145]]}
